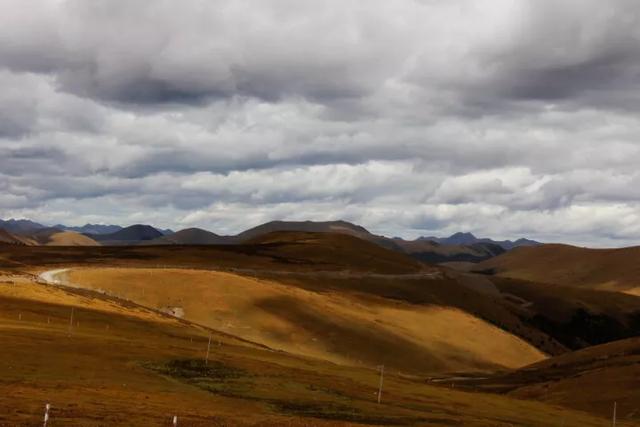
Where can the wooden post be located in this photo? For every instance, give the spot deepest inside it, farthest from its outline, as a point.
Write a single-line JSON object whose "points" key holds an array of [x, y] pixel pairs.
{"points": [[206, 360], [380, 385], [615, 409]]}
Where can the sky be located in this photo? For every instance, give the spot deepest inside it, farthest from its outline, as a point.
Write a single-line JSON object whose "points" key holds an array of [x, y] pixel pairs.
{"points": [[505, 118]]}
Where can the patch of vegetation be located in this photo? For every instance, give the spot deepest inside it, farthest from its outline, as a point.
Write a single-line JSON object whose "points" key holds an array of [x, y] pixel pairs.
{"points": [[332, 411], [222, 379], [197, 368], [214, 376]]}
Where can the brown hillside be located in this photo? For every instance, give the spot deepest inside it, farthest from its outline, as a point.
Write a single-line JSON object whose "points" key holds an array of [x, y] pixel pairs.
{"points": [[67, 238], [307, 252], [591, 380], [12, 239], [123, 365], [340, 327], [326, 247], [610, 269]]}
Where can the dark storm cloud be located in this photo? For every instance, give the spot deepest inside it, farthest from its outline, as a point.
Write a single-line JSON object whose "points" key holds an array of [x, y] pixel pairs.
{"points": [[149, 53]]}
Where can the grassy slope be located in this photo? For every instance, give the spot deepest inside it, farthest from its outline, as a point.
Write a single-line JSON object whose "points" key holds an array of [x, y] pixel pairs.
{"points": [[577, 317], [68, 238], [607, 269], [591, 379], [336, 326], [281, 251], [308, 254], [107, 373]]}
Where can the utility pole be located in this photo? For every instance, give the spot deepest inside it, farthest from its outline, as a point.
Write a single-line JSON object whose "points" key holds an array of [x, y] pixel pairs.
{"points": [[206, 360], [381, 381]]}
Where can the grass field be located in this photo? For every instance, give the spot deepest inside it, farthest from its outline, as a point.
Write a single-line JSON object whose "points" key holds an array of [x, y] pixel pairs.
{"points": [[605, 269], [336, 326], [123, 365]]}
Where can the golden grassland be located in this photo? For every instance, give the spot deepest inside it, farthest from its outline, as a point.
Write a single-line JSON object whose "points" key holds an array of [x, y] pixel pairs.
{"points": [[605, 269], [338, 327], [591, 379], [124, 365]]}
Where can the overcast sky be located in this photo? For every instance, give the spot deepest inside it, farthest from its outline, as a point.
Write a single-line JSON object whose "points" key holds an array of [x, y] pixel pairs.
{"points": [[505, 118]]}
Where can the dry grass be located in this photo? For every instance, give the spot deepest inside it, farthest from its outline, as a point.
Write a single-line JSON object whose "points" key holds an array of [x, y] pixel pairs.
{"points": [[605, 269], [335, 326], [591, 380], [118, 368], [68, 238]]}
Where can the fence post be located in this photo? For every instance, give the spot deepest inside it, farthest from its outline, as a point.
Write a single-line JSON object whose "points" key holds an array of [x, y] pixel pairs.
{"points": [[206, 360], [380, 385]]}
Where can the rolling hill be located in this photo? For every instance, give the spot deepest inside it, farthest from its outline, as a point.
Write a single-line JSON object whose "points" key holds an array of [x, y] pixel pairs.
{"points": [[118, 363], [607, 269], [590, 380], [20, 226], [130, 235], [289, 305], [420, 249], [190, 236], [436, 253], [460, 247], [13, 239], [55, 237], [90, 228], [467, 239], [339, 327], [308, 252]]}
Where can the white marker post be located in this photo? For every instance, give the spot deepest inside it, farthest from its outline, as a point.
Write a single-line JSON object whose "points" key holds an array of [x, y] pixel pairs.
{"points": [[206, 360], [175, 421], [46, 414], [615, 409], [381, 381]]}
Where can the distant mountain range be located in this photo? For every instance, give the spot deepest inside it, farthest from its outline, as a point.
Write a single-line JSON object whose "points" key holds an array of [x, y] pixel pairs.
{"points": [[458, 247], [470, 239], [20, 226], [91, 228]]}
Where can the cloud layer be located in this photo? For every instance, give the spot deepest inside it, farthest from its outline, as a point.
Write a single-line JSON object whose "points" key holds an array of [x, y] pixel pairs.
{"points": [[501, 117]]}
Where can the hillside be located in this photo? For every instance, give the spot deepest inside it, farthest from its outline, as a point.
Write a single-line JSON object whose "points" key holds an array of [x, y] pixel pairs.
{"points": [[190, 236], [325, 248], [308, 252], [12, 239], [338, 227], [468, 239], [68, 238], [90, 228], [590, 380], [121, 364], [129, 235], [20, 226], [339, 327], [608, 269], [435, 253]]}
